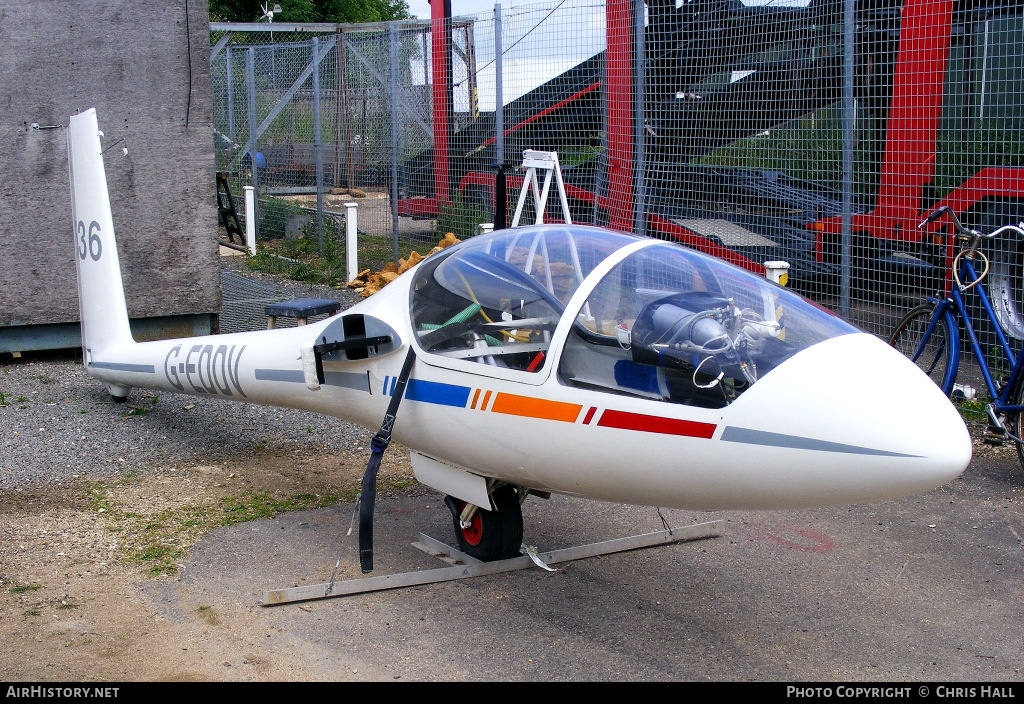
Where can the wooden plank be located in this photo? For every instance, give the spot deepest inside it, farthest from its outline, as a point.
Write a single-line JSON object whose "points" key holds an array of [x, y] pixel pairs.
{"points": [[168, 258], [362, 585]]}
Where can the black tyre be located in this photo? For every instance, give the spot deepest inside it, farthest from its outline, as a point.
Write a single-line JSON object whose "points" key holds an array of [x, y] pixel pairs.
{"points": [[490, 535], [1006, 269], [933, 358]]}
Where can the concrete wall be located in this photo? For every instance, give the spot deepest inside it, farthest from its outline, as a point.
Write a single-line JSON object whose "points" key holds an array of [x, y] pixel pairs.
{"points": [[145, 68]]}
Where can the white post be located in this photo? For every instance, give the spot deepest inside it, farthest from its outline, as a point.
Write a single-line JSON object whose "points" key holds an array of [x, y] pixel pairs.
{"points": [[250, 218], [777, 271], [350, 240]]}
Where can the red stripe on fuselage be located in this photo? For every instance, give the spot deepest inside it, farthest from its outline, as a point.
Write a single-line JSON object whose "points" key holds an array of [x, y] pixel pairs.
{"points": [[655, 424]]}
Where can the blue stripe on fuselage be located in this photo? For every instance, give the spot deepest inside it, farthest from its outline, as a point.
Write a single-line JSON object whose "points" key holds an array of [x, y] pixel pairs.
{"points": [[436, 392]]}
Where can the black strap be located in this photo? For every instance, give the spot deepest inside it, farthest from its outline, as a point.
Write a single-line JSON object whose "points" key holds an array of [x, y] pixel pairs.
{"points": [[378, 444]]}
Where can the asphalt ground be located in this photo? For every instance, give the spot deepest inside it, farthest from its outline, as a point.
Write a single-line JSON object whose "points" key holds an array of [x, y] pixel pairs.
{"points": [[926, 589]]}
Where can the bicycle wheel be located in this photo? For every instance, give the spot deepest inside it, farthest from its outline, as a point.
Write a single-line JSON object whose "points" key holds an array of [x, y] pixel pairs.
{"points": [[932, 355]]}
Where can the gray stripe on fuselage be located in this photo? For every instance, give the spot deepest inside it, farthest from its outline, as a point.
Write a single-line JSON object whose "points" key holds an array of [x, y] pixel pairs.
{"points": [[120, 367], [348, 380], [796, 442]]}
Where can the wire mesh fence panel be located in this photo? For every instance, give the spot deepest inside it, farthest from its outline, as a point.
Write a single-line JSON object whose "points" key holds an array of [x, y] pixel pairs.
{"points": [[552, 62], [816, 133]]}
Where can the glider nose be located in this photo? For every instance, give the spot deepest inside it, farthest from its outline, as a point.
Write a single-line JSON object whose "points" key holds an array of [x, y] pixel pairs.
{"points": [[909, 402], [886, 429], [894, 407]]}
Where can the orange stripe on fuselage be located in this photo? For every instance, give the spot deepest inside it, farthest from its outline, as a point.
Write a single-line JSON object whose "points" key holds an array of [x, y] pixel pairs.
{"points": [[513, 405]]}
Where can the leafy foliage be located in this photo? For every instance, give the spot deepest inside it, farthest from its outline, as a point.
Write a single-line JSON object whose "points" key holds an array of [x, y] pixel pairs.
{"points": [[311, 10]]}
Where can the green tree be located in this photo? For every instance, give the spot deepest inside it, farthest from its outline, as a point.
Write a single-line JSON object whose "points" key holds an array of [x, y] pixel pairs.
{"points": [[352, 11]]}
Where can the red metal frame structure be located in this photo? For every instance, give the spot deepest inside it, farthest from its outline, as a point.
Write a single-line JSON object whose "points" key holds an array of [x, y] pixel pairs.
{"points": [[913, 113], [913, 124], [441, 57], [618, 84], [912, 131], [620, 125]]}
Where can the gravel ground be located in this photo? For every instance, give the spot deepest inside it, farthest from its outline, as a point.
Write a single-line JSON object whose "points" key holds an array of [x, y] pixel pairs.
{"points": [[927, 588], [56, 421], [101, 504]]}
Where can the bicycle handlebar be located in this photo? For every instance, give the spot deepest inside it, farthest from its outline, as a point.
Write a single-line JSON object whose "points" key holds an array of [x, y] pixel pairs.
{"points": [[966, 231], [936, 214]]}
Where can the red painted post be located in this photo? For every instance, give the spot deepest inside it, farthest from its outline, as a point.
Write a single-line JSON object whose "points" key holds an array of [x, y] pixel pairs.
{"points": [[619, 112], [440, 52]]}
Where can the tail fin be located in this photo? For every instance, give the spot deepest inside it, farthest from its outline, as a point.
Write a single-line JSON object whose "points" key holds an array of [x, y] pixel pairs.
{"points": [[101, 301]]}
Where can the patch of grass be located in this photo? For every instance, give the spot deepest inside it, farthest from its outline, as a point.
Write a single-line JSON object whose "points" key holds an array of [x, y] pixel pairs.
{"points": [[208, 614], [460, 217], [31, 612], [254, 506], [396, 485], [96, 494], [158, 559], [23, 588], [159, 542], [42, 378], [972, 411], [135, 411], [303, 260]]}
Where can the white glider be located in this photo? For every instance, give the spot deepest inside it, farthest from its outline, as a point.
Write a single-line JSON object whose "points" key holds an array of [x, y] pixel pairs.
{"points": [[561, 358]]}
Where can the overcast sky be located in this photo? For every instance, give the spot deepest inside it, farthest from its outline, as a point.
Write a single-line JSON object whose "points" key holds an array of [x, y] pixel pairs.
{"points": [[421, 8]]}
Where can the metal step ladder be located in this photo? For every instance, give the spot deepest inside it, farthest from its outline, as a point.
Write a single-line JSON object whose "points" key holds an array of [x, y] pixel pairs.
{"points": [[228, 214], [548, 162]]}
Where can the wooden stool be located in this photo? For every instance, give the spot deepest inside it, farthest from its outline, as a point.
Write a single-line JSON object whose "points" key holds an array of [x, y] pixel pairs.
{"points": [[302, 309]]}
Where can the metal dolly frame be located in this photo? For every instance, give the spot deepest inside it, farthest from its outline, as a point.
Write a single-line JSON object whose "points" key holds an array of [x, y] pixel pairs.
{"points": [[463, 566]]}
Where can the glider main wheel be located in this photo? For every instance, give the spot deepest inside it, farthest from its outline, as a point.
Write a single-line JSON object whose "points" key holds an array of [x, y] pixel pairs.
{"points": [[490, 535]]}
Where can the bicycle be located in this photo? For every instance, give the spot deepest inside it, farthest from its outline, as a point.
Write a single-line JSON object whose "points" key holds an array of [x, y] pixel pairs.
{"points": [[929, 334]]}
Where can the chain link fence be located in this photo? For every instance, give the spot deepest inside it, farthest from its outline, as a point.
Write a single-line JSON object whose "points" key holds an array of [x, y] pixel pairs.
{"points": [[817, 133]]}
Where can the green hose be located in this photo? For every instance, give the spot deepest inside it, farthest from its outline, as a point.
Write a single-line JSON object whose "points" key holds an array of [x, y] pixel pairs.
{"points": [[462, 317]]}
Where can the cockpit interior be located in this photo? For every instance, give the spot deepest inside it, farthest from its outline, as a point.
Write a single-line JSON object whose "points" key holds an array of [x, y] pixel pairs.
{"points": [[659, 320]]}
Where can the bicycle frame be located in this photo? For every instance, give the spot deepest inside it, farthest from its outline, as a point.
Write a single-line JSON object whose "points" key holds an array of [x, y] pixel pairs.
{"points": [[951, 307]]}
